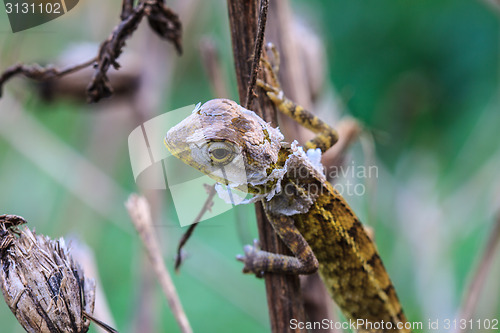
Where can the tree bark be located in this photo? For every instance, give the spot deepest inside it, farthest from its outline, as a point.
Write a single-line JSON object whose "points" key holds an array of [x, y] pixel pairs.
{"points": [[283, 291]]}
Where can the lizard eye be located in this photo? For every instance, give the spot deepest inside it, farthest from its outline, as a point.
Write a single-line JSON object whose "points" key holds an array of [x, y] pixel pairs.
{"points": [[220, 152]]}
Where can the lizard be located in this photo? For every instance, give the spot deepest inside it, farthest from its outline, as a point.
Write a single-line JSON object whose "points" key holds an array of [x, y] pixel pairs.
{"points": [[241, 151]]}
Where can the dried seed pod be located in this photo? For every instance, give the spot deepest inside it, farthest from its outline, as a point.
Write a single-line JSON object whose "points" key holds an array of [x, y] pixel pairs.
{"points": [[42, 285]]}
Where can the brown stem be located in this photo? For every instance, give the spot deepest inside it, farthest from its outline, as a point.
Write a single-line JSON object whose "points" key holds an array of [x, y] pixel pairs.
{"points": [[283, 291]]}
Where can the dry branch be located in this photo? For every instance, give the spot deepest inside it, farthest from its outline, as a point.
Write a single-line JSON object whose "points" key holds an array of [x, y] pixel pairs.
{"points": [[139, 211], [162, 20], [37, 72], [206, 207]]}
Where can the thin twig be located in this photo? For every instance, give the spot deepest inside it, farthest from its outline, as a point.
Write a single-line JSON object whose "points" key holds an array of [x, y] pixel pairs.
{"points": [[257, 53], [37, 72], [100, 323], [206, 207], [478, 281], [139, 211]]}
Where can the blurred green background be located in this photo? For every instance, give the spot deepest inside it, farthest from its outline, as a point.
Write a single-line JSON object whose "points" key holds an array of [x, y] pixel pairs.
{"points": [[421, 76]]}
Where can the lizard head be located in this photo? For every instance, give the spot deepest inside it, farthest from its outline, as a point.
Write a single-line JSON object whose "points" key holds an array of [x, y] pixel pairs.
{"points": [[228, 143]]}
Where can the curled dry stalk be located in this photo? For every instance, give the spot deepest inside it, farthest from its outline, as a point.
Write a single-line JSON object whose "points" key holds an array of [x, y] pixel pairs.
{"points": [[162, 20]]}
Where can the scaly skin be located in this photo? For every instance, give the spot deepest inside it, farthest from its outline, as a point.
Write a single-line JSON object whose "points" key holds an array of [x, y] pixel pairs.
{"points": [[309, 215]]}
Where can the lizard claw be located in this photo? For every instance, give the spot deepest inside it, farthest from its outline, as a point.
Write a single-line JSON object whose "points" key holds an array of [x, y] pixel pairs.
{"points": [[275, 95]]}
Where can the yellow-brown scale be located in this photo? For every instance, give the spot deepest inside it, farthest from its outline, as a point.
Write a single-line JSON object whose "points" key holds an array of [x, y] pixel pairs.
{"points": [[349, 263]]}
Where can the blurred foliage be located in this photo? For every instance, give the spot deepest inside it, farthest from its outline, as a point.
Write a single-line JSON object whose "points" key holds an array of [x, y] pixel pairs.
{"points": [[422, 76]]}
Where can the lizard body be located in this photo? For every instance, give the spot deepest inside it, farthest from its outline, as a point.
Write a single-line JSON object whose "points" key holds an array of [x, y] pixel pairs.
{"points": [[237, 148]]}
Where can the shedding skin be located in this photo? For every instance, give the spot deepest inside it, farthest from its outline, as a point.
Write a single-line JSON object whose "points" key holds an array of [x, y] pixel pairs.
{"points": [[239, 149]]}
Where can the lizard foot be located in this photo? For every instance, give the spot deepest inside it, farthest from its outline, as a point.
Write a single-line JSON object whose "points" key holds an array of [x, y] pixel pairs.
{"points": [[252, 257], [274, 64], [271, 67], [274, 93]]}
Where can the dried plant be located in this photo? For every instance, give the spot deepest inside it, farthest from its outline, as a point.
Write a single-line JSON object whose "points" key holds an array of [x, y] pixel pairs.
{"points": [[162, 20], [41, 283]]}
